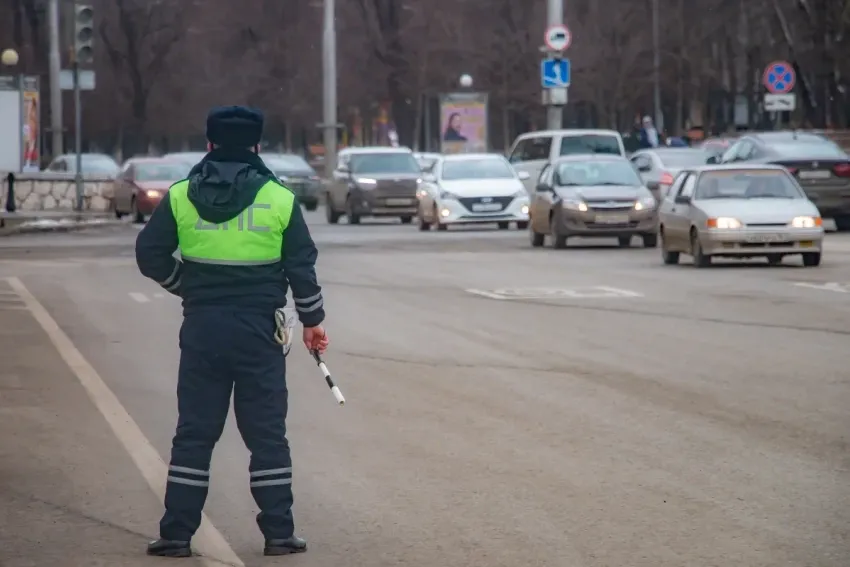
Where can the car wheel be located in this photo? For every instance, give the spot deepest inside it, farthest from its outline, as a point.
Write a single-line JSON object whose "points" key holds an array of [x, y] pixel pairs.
{"points": [[522, 225], [330, 214], [437, 223], [624, 241], [353, 218], [536, 238], [118, 214], [504, 225], [135, 214], [670, 258], [559, 241], [811, 259], [311, 206], [424, 225], [650, 240], [700, 259], [406, 220], [774, 259]]}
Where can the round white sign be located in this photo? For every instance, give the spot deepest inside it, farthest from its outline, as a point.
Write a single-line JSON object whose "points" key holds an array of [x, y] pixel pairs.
{"points": [[558, 38]]}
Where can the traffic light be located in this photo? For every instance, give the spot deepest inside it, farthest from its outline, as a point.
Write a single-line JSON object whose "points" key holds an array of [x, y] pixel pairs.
{"points": [[83, 34]]}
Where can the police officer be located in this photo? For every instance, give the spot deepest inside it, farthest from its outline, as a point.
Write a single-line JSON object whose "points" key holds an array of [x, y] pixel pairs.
{"points": [[243, 242]]}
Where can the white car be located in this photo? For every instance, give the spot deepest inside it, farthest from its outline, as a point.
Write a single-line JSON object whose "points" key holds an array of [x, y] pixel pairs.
{"points": [[471, 189]]}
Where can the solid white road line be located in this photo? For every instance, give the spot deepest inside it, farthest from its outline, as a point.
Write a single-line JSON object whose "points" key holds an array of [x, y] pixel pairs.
{"points": [[208, 541], [140, 297]]}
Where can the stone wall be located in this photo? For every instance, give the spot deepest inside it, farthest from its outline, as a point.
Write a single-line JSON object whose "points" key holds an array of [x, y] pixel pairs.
{"points": [[57, 191]]}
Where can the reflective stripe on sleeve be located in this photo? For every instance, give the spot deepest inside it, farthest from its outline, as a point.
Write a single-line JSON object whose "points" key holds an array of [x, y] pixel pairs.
{"points": [[271, 482], [308, 304], [270, 472], [166, 283]]}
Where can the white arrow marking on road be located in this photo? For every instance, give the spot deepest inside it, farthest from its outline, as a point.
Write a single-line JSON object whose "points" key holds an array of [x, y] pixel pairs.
{"points": [[831, 286], [139, 297]]}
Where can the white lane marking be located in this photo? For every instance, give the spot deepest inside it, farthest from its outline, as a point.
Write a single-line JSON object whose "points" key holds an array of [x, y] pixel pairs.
{"points": [[212, 546], [590, 292], [484, 293], [140, 297], [831, 286]]}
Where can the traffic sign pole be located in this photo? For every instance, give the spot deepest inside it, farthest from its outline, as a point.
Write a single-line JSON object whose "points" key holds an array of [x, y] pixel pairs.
{"points": [[557, 36]]}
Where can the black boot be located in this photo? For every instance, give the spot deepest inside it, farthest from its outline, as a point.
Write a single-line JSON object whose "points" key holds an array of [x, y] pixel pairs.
{"points": [[286, 546], [169, 548]]}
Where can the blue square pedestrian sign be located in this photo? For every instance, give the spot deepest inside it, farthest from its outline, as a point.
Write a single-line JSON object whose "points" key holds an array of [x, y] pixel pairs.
{"points": [[555, 73]]}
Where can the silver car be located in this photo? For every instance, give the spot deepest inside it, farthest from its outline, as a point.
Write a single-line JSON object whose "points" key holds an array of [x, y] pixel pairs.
{"points": [[739, 211], [592, 195], [658, 167]]}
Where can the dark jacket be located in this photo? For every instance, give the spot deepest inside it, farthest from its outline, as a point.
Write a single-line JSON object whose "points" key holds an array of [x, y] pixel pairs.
{"points": [[221, 186]]}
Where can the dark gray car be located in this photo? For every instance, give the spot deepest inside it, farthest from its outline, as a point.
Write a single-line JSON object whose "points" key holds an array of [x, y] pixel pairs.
{"points": [[374, 182], [821, 167], [298, 176], [659, 167]]}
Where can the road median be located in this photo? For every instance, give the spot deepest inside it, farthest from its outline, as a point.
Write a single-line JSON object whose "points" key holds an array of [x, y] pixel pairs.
{"points": [[28, 222]]}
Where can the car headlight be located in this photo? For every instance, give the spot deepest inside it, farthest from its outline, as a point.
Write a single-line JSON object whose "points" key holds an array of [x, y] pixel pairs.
{"points": [[420, 193], [724, 223], [574, 205], [646, 203], [365, 181], [806, 222], [153, 194], [447, 195]]}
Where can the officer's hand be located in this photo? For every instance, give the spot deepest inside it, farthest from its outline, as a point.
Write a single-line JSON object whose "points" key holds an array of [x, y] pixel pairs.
{"points": [[315, 338]]}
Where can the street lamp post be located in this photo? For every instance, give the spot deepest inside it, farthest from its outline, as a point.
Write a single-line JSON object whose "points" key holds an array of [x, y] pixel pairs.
{"points": [[9, 58], [329, 126]]}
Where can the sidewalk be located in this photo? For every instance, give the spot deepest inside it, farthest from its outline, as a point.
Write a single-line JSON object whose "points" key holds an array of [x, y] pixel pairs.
{"points": [[21, 222], [69, 494]]}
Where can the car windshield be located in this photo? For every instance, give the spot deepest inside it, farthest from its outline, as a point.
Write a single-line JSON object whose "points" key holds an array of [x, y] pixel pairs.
{"points": [[397, 162], [597, 173], [590, 144], [97, 164], [683, 158], [161, 171], [485, 168], [747, 184], [820, 149], [284, 162]]}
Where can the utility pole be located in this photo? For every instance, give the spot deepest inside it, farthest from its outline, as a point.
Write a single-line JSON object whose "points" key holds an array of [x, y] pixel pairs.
{"points": [[656, 66], [55, 69], [329, 86], [554, 17]]}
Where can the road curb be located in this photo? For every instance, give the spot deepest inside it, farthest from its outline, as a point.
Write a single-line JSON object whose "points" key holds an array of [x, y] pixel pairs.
{"points": [[32, 229]]}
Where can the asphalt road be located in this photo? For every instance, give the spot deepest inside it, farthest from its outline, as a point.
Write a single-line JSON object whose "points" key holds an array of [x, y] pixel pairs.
{"points": [[506, 407]]}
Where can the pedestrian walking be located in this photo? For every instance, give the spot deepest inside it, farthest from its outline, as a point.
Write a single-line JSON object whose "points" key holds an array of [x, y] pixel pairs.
{"points": [[243, 243]]}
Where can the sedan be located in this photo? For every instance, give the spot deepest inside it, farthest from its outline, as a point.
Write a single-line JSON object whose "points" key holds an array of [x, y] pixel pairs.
{"points": [[473, 189], [298, 176], [658, 167], [819, 164], [142, 184], [739, 211], [586, 195]]}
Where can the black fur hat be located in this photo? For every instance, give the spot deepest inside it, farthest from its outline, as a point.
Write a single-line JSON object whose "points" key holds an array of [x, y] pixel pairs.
{"points": [[235, 126]]}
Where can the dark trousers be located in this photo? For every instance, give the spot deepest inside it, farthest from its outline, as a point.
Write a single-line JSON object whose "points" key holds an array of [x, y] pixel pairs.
{"points": [[224, 351]]}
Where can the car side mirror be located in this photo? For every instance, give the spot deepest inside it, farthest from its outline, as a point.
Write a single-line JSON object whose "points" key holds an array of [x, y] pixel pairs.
{"points": [[543, 188], [644, 168], [524, 176], [682, 200]]}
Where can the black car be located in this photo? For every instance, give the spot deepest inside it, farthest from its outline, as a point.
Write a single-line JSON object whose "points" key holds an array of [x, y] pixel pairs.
{"points": [[821, 167], [298, 176]]}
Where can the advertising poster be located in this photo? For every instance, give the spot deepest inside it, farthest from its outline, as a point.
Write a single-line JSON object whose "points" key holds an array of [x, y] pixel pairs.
{"points": [[31, 135], [463, 123]]}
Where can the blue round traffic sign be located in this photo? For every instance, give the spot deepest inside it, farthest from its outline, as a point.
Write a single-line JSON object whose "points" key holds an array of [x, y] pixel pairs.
{"points": [[779, 77]]}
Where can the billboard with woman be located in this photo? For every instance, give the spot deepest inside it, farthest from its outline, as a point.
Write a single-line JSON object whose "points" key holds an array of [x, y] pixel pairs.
{"points": [[463, 123]]}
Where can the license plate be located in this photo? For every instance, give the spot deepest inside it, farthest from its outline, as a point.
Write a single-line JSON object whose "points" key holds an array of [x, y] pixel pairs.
{"points": [[816, 174], [807, 244], [612, 219], [399, 202], [763, 238], [486, 207]]}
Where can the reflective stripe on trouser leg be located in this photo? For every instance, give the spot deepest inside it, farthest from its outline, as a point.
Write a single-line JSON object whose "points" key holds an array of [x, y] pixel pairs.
{"points": [[260, 404], [203, 398]]}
